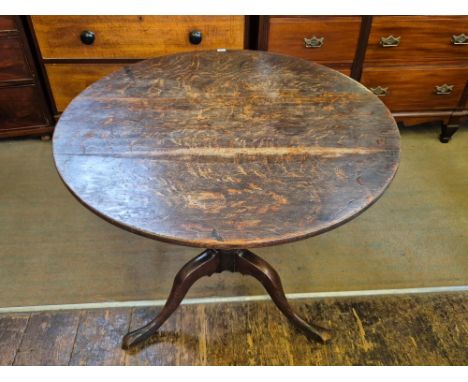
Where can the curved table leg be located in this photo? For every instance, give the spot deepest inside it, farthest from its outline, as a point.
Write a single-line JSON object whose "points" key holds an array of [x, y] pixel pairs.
{"points": [[250, 264], [215, 261], [205, 264]]}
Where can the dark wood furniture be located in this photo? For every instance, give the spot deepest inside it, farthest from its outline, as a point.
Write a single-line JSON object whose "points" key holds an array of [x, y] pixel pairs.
{"points": [[23, 109], [226, 151], [77, 50], [418, 65]]}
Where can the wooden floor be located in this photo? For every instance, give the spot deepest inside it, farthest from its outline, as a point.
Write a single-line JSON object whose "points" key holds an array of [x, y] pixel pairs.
{"points": [[386, 330]]}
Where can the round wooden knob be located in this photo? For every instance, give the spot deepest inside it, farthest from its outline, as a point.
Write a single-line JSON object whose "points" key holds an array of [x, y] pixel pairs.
{"points": [[195, 37], [87, 37]]}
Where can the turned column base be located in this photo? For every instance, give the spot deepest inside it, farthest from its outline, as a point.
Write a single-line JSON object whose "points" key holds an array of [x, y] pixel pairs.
{"points": [[215, 261]]}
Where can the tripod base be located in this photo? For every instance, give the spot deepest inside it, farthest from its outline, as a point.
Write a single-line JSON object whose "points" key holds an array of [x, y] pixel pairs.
{"points": [[215, 261]]}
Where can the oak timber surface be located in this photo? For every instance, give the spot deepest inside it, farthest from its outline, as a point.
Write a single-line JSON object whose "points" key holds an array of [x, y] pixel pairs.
{"points": [[227, 149]]}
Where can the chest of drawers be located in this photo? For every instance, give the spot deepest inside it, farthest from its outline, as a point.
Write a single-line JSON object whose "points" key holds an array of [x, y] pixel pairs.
{"points": [[418, 65], [422, 63], [23, 110], [77, 50]]}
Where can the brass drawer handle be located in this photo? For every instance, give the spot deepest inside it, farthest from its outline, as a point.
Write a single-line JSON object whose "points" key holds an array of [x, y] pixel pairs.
{"points": [[314, 42], [379, 91], [461, 39], [444, 89], [390, 41]]}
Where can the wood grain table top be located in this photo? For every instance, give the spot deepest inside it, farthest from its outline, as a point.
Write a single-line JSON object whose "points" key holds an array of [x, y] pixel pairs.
{"points": [[233, 149]]}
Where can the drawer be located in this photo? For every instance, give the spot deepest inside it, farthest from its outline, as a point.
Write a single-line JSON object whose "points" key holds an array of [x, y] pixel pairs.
{"points": [[13, 64], [345, 69], [68, 80], [414, 88], [335, 38], [422, 38], [20, 107], [7, 24], [422, 119], [134, 36]]}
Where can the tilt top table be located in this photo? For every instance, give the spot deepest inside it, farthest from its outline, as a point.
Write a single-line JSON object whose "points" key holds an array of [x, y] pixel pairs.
{"points": [[226, 151]]}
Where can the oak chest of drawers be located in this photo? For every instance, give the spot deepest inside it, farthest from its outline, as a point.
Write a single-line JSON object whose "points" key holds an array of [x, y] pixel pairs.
{"points": [[418, 65], [23, 108], [78, 50]]}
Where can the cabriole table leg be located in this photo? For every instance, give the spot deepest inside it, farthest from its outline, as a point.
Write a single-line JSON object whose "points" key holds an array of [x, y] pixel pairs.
{"points": [[205, 264], [216, 261], [253, 265]]}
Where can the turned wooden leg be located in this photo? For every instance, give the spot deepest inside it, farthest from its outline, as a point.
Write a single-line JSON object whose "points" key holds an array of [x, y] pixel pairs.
{"points": [[250, 264], [204, 264]]}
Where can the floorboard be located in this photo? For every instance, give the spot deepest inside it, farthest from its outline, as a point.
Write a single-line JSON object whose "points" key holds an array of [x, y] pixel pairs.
{"points": [[11, 332], [99, 337], [48, 339], [426, 329]]}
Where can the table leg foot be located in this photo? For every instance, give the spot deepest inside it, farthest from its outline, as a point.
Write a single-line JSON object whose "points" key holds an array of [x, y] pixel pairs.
{"points": [[204, 264], [250, 264]]}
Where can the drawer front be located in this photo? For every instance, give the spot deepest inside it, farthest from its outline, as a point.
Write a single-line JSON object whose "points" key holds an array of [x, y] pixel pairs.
{"points": [[13, 64], [7, 23], [20, 107], [421, 38], [134, 36], [415, 88], [68, 80], [343, 69], [419, 120], [332, 39]]}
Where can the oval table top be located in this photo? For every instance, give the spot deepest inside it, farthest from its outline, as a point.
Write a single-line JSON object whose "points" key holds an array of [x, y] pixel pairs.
{"points": [[233, 149]]}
